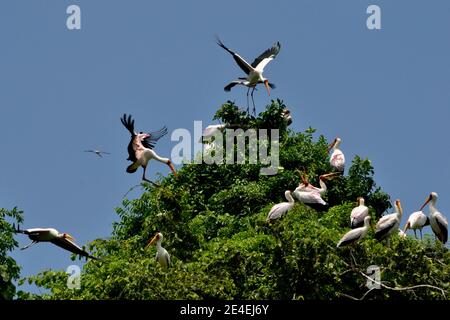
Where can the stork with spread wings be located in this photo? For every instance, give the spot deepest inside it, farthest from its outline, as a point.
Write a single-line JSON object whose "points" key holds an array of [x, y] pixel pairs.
{"points": [[140, 148]]}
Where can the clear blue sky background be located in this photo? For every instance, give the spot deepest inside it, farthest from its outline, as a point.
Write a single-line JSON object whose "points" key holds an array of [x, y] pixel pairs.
{"points": [[386, 93]]}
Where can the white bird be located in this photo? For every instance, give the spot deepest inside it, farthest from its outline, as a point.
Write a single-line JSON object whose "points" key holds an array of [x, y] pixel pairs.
{"points": [[63, 240], [358, 214], [140, 148], [389, 223], [162, 256], [417, 220], [337, 158], [308, 194], [97, 152], [286, 114], [281, 208], [212, 130], [253, 71], [354, 235], [438, 221]]}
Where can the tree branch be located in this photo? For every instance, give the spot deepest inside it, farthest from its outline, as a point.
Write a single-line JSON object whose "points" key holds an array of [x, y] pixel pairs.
{"points": [[402, 288]]}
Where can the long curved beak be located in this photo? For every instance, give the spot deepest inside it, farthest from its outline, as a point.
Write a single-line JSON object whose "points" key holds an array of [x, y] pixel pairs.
{"points": [[172, 168], [330, 176], [331, 145], [68, 236], [266, 84], [426, 202], [152, 241]]}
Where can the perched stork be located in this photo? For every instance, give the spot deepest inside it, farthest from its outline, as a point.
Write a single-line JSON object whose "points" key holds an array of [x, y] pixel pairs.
{"points": [[389, 224], [417, 220], [140, 148], [63, 240], [308, 194], [438, 222], [286, 114], [354, 235], [253, 71], [97, 152], [280, 209], [358, 214], [337, 158], [212, 130], [162, 256]]}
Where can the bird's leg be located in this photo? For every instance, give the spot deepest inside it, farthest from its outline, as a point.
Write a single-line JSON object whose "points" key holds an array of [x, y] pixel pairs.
{"points": [[420, 230], [353, 257], [253, 101], [415, 234], [145, 179], [29, 245], [248, 103]]}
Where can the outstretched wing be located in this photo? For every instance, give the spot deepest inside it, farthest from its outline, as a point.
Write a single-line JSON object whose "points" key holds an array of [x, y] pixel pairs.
{"points": [[239, 60], [267, 56], [234, 83], [72, 247], [150, 141], [128, 123]]}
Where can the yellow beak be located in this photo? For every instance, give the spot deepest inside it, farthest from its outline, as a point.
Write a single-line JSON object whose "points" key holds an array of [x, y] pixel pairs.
{"points": [[152, 241], [266, 84]]}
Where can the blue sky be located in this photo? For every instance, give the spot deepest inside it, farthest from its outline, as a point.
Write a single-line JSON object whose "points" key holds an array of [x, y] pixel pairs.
{"points": [[384, 92]]}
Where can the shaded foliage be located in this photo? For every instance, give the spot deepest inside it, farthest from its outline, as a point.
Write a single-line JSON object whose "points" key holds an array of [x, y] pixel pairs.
{"points": [[9, 270]]}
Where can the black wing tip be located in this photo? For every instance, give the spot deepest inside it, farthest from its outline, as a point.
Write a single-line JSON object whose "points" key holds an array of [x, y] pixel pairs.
{"points": [[218, 41]]}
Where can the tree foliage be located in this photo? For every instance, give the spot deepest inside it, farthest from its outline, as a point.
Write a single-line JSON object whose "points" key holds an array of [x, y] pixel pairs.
{"points": [[213, 221], [9, 270]]}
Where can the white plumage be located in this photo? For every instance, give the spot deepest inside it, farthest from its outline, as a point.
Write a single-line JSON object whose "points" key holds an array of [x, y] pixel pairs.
{"points": [[388, 224], [358, 214], [417, 220], [355, 235], [280, 209], [162, 256], [438, 221], [337, 158]]}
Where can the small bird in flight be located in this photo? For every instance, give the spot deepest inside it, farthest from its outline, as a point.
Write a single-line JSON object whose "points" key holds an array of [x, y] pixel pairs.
{"points": [[97, 152]]}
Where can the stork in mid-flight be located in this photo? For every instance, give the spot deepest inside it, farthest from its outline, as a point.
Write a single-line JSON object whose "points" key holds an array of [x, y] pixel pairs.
{"points": [[140, 148], [253, 71], [63, 240]]}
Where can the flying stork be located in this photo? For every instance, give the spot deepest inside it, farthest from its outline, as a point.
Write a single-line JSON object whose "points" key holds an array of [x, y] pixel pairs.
{"points": [[140, 148], [253, 71], [63, 240]]}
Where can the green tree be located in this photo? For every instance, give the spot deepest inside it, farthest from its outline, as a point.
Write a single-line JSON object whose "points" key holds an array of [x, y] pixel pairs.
{"points": [[9, 270], [213, 221]]}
